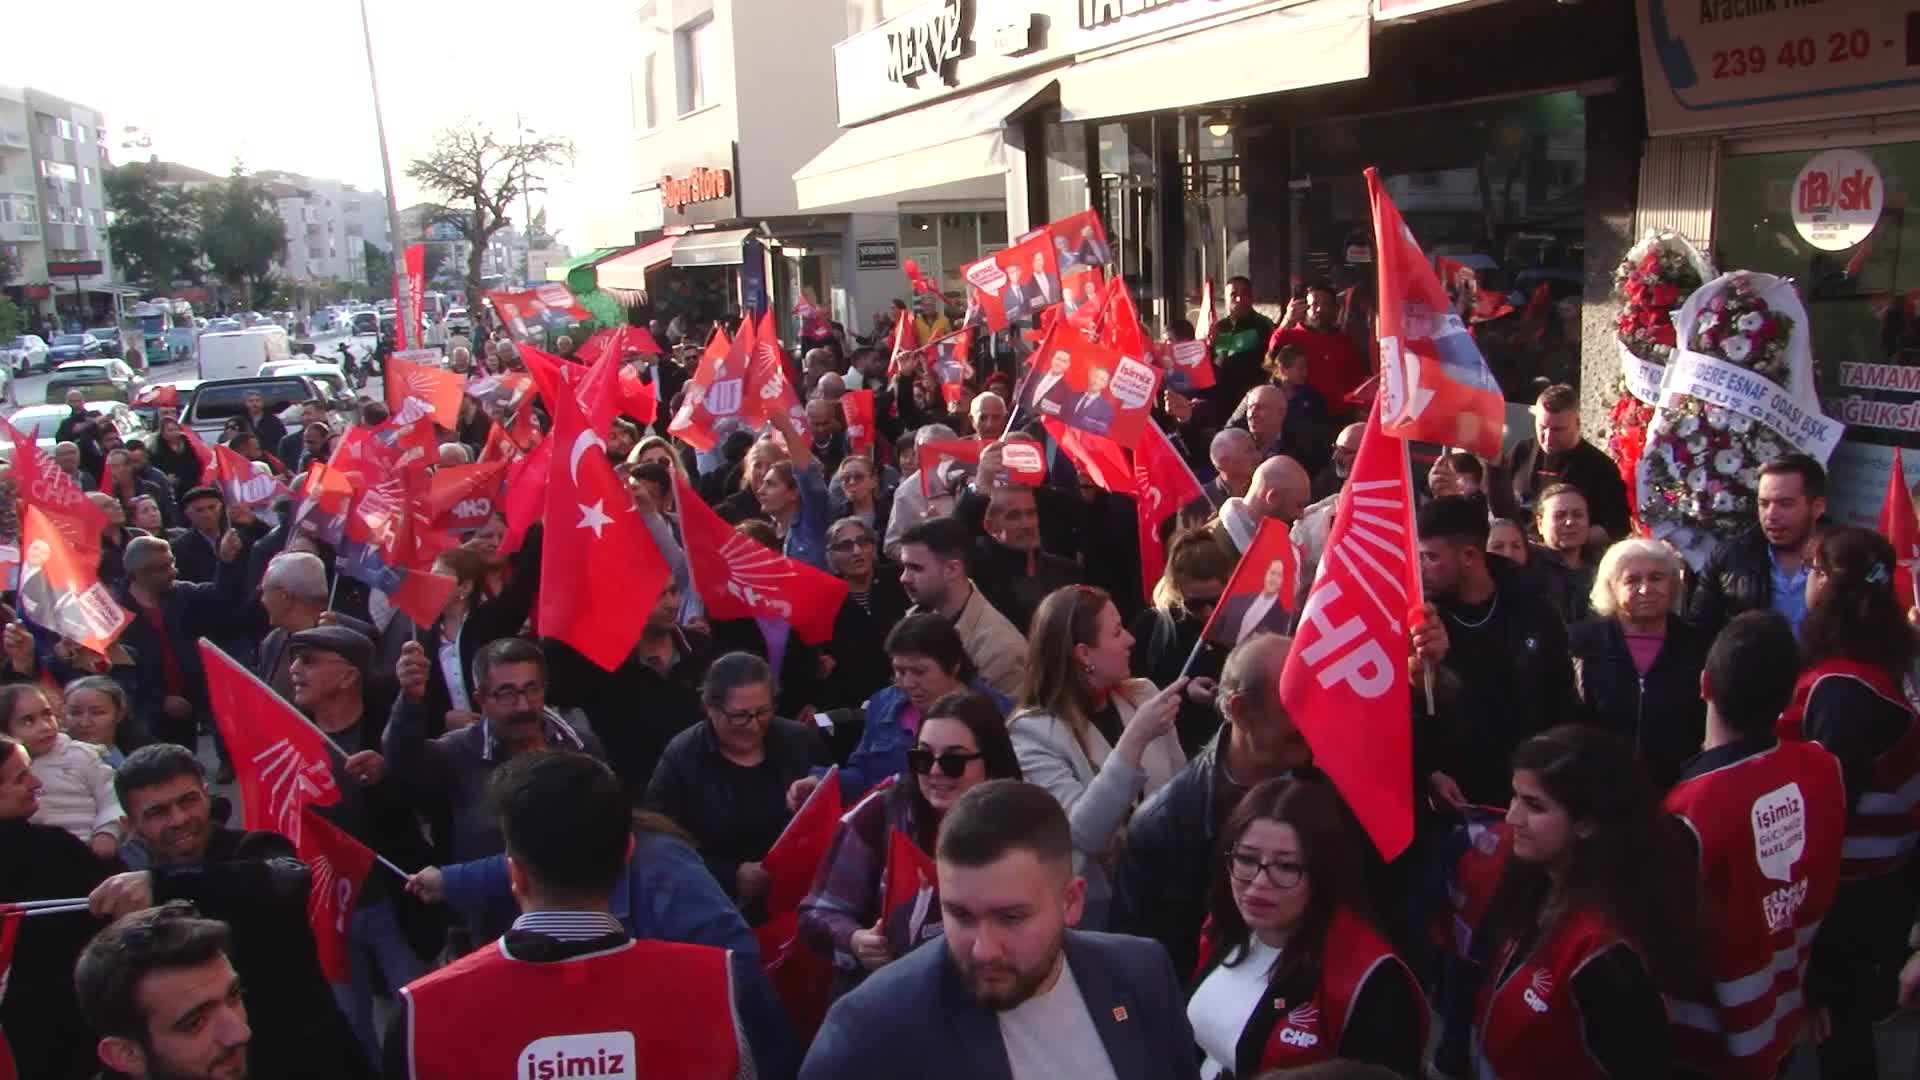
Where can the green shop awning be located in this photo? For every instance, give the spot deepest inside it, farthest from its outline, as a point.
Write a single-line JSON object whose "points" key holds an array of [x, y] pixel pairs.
{"points": [[578, 274]]}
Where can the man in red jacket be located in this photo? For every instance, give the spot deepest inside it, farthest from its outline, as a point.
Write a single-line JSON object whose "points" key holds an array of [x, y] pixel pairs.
{"points": [[1769, 817], [1334, 364]]}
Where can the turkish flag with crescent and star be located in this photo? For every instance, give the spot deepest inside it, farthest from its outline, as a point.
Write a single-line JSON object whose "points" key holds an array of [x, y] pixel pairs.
{"points": [[1345, 680], [1163, 483], [338, 865], [417, 391], [1435, 385], [740, 578], [601, 571], [282, 762], [1899, 525]]}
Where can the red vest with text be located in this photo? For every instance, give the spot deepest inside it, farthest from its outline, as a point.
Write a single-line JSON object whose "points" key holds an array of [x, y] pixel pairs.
{"points": [[1769, 827], [1528, 1022], [1882, 826], [1310, 1031], [643, 1009]]}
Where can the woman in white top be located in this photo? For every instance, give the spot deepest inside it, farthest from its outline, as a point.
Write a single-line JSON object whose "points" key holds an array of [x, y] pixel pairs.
{"points": [[77, 793], [1095, 738]]}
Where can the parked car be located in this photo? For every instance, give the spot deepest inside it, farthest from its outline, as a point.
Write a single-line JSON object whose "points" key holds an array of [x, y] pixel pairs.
{"points": [[223, 326], [366, 322], [114, 371], [24, 353], [216, 401], [329, 377], [65, 348], [42, 422], [459, 322], [109, 339]]}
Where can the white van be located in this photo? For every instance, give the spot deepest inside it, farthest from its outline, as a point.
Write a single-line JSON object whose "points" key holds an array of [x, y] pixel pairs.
{"points": [[238, 354]]}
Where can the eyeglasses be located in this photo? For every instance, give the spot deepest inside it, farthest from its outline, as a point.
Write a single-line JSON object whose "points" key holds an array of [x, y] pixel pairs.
{"points": [[848, 547], [748, 716], [1244, 867], [953, 764], [1199, 604], [530, 693]]}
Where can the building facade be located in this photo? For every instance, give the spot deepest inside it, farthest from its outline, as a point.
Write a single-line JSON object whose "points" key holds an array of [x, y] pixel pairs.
{"points": [[328, 224], [53, 208]]}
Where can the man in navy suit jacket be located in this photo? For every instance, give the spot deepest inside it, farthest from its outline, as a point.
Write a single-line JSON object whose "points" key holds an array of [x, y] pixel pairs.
{"points": [[1092, 411], [1010, 993]]}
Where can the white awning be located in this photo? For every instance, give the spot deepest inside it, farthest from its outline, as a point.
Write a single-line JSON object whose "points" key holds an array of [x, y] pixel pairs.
{"points": [[960, 138], [717, 247], [1282, 48]]}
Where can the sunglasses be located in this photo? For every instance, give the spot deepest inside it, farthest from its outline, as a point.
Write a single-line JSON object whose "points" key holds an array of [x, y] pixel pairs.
{"points": [[953, 764]]}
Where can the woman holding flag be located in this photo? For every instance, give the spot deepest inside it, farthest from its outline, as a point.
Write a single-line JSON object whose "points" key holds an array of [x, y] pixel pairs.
{"points": [[961, 744]]}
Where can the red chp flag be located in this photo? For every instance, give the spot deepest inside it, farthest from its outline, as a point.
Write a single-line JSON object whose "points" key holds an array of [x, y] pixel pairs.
{"points": [[38, 480], [857, 405], [339, 865], [462, 498], [905, 340], [909, 891], [769, 376], [1901, 528], [240, 483], [412, 334], [1436, 386], [283, 763], [1345, 681], [794, 859], [740, 578], [599, 563], [422, 391], [713, 391], [326, 496], [1162, 485], [60, 586]]}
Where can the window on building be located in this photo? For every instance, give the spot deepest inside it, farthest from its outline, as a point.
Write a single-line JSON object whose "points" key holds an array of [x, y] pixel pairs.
{"points": [[648, 107], [693, 60], [80, 132], [86, 175], [58, 170]]}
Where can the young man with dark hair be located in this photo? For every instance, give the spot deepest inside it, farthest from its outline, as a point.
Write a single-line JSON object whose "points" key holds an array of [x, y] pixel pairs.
{"points": [[158, 988], [1768, 818], [1557, 454], [933, 570], [1239, 342], [567, 989], [1765, 567], [1312, 325], [1010, 991]]}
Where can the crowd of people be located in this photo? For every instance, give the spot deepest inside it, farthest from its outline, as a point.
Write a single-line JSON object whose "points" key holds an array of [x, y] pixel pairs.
{"points": [[1664, 818]]}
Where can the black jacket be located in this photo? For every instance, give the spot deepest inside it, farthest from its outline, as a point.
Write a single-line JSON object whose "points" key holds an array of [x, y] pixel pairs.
{"points": [[189, 612], [1015, 582], [860, 663], [1161, 645], [38, 1013], [195, 556], [635, 709], [1738, 577], [734, 813], [1661, 711], [253, 882], [1166, 865], [798, 676], [1586, 467], [182, 466]]}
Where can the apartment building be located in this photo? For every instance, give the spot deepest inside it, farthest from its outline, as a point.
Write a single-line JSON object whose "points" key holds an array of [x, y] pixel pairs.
{"points": [[328, 224], [53, 208]]}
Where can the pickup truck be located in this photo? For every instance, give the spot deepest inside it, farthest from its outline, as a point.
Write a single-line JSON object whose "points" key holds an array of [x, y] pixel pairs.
{"points": [[216, 401]]}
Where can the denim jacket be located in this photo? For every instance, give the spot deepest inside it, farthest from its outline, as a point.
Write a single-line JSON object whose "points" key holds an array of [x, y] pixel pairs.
{"points": [[807, 536]]}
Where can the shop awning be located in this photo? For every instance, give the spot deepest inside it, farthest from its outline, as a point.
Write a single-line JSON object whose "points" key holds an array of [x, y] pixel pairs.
{"points": [[720, 247], [629, 270], [584, 262], [1280, 48], [957, 139]]}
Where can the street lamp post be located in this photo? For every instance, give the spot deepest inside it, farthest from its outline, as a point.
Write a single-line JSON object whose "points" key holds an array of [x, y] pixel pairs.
{"points": [[402, 300]]}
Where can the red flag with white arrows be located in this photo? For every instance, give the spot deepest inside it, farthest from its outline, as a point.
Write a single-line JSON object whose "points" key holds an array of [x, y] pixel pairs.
{"points": [[1899, 525], [39, 482], [1345, 681], [242, 484], [599, 564], [772, 376], [1163, 483], [857, 405], [715, 390], [419, 391], [283, 763], [338, 864], [1436, 387], [740, 578]]}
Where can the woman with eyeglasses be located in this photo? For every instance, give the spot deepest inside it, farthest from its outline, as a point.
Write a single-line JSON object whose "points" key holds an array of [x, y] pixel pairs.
{"points": [[961, 743], [1294, 968], [1596, 912], [725, 781], [1096, 738], [857, 494], [1855, 697], [875, 603], [1165, 633]]}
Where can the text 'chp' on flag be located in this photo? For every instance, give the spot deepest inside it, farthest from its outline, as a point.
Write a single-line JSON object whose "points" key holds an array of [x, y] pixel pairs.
{"points": [[738, 577], [600, 568], [338, 865], [1345, 681], [1435, 385]]}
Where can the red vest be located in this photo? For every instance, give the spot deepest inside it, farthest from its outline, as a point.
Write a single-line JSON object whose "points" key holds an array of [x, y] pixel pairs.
{"points": [[1881, 826], [1310, 1031], [1529, 1025], [1770, 827], [643, 1009]]}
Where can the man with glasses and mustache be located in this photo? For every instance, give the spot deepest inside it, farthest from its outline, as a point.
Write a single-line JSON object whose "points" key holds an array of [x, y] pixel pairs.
{"points": [[510, 679]]}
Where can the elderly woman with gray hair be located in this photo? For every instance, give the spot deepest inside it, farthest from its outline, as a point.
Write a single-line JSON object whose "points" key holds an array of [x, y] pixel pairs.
{"points": [[1636, 662]]}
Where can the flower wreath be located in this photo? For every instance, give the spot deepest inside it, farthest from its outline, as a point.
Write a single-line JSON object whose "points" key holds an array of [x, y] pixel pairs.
{"points": [[1656, 276]]}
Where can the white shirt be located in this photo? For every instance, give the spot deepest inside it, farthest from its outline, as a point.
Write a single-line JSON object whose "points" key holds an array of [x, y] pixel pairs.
{"points": [[1225, 1000], [450, 670], [1050, 1035]]}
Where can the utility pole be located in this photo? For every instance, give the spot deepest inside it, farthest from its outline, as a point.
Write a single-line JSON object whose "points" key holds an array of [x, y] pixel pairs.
{"points": [[402, 298]]}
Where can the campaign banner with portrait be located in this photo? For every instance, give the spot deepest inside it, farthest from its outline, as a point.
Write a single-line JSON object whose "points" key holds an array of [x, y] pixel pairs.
{"points": [[1079, 242], [1089, 386], [1015, 284], [1262, 594]]}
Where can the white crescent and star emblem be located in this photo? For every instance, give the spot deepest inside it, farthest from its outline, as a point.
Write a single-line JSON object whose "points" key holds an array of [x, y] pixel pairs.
{"points": [[594, 517], [587, 438]]}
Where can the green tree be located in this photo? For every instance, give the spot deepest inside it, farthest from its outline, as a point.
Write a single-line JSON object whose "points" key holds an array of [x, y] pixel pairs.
{"points": [[379, 267], [155, 228], [477, 179], [240, 231], [10, 319]]}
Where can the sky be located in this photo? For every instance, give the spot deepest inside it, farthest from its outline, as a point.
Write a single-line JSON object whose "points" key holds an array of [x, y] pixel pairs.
{"points": [[283, 85]]}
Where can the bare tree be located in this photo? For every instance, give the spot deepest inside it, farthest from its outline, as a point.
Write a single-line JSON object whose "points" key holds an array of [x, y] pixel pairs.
{"points": [[476, 178]]}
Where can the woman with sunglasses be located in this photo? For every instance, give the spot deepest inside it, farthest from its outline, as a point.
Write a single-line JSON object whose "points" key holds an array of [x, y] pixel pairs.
{"points": [[1855, 698], [725, 781], [1165, 633], [1596, 912], [1095, 737], [857, 494], [1294, 968], [960, 744]]}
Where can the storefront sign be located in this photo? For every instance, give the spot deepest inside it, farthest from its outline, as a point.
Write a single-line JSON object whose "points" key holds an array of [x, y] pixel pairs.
{"points": [[74, 269], [878, 254], [1720, 64], [701, 185], [925, 41], [1096, 24], [1836, 199], [1857, 482]]}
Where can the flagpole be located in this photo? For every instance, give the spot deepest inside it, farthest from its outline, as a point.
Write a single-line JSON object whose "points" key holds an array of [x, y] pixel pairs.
{"points": [[1426, 668], [403, 299], [1191, 657]]}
